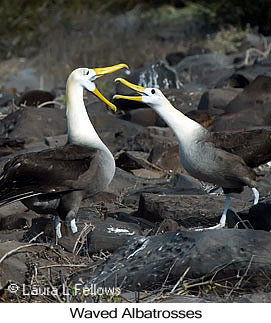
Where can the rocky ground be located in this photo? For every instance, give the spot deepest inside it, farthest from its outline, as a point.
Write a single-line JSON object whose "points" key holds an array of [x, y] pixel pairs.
{"points": [[137, 241]]}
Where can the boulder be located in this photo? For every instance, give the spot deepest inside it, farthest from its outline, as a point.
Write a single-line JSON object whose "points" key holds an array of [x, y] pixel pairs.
{"points": [[256, 218], [216, 100], [143, 116], [204, 118], [36, 97], [150, 137], [251, 108], [110, 234], [175, 58], [167, 158], [250, 72], [13, 268], [149, 263], [15, 221], [181, 207], [204, 70], [33, 124]]}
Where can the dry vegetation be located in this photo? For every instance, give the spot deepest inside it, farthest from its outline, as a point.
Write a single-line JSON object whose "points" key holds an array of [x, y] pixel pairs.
{"points": [[60, 35], [53, 269]]}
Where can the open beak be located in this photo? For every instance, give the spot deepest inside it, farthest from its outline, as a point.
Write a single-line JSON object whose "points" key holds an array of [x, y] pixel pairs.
{"points": [[102, 71], [139, 89]]}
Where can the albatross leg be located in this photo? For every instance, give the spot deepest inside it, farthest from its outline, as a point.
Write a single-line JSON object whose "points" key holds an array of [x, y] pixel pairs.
{"points": [[222, 221], [57, 225], [73, 224], [68, 208], [256, 195]]}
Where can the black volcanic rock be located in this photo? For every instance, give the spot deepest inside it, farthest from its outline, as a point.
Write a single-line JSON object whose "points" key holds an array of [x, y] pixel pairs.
{"points": [[33, 124], [204, 70], [188, 209], [216, 100], [36, 97], [148, 263], [251, 108], [175, 58]]}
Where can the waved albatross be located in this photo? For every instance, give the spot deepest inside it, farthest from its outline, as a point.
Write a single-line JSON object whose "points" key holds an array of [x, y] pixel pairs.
{"points": [[224, 159], [55, 181]]}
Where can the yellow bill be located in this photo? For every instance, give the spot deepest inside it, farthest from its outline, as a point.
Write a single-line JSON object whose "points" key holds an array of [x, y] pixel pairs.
{"points": [[103, 71], [139, 89], [102, 98], [110, 69]]}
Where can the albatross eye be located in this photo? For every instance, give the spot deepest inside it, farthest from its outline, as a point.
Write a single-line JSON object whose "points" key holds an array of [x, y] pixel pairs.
{"points": [[87, 72], [153, 91]]}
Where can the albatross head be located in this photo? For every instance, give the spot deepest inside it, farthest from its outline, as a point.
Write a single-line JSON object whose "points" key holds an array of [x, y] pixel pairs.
{"points": [[85, 77], [150, 96]]}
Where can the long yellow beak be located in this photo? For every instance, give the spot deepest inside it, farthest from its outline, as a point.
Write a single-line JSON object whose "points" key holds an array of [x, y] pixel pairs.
{"points": [[110, 69], [139, 89], [103, 71]]}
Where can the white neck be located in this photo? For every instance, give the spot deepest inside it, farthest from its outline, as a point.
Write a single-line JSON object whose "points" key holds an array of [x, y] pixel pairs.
{"points": [[183, 127], [80, 128]]}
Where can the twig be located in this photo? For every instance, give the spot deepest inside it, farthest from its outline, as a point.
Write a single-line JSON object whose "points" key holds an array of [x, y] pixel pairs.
{"points": [[237, 285], [81, 238], [14, 251], [264, 54], [198, 284], [218, 268], [170, 269], [49, 102], [242, 278], [180, 280], [62, 256], [64, 265], [36, 237]]}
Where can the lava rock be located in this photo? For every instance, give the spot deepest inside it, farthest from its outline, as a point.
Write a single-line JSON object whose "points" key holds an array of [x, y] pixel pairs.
{"points": [[256, 218], [15, 221], [175, 58], [148, 263], [33, 124], [150, 137], [13, 268], [36, 97], [129, 160], [167, 158], [202, 117], [216, 100], [204, 70], [110, 234], [143, 116], [181, 208], [250, 108], [235, 80]]}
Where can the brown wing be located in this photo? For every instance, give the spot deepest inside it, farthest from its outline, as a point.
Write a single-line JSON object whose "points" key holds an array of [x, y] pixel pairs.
{"points": [[47, 171], [254, 146]]}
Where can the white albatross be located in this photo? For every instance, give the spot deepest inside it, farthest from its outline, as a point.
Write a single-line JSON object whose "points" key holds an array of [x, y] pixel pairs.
{"points": [[224, 159], [55, 181]]}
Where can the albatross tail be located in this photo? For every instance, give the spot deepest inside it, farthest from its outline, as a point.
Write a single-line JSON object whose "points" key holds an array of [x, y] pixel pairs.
{"points": [[17, 197]]}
